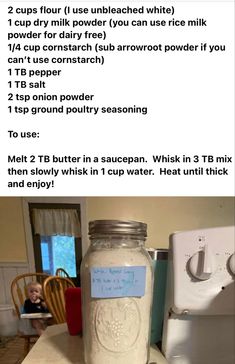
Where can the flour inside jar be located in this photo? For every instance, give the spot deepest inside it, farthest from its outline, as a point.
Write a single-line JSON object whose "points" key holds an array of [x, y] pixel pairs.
{"points": [[116, 330]]}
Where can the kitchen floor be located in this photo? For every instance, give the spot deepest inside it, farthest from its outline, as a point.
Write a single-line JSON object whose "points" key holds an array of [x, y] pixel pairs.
{"points": [[11, 350]]}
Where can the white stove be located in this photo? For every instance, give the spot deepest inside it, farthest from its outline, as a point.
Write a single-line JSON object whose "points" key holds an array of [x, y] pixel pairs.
{"points": [[199, 322]]}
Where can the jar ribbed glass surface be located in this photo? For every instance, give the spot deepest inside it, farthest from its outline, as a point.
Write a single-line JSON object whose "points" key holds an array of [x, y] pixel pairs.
{"points": [[117, 280]]}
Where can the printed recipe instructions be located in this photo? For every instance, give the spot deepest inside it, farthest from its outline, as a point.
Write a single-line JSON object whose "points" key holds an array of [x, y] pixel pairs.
{"points": [[117, 97]]}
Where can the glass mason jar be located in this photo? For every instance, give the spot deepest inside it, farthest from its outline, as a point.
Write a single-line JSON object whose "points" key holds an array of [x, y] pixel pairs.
{"points": [[117, 284]]}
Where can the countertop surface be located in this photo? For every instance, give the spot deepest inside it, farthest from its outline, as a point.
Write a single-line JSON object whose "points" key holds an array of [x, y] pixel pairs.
{"points": [[57, 346]]}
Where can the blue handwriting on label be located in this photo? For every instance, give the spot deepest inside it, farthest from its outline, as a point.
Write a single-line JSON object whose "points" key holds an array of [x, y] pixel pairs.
{"points": [[108, 282]]}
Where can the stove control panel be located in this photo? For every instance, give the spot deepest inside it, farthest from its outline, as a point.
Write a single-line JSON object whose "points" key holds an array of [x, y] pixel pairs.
{"points": [[202, 264], [202, 272]]}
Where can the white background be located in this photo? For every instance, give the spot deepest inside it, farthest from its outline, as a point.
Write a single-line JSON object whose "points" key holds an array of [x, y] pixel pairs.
{"points": [[189, 95]]}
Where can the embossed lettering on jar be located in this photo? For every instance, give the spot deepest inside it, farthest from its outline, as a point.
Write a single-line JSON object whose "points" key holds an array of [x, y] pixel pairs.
{"points": [[117, 279]]}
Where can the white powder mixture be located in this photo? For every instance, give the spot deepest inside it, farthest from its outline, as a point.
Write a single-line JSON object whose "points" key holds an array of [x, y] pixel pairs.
{"points": [[116, 330]]}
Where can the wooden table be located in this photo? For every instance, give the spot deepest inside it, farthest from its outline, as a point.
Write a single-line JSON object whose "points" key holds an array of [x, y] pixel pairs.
{"points": [[57, 346]]}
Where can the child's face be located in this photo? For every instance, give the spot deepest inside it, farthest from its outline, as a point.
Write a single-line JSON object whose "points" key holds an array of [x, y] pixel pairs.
{"points": [[34, 292]]}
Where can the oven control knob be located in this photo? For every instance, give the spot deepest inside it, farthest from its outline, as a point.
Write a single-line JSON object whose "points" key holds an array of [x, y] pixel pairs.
{"points": [[201, 264], [231, 263]]}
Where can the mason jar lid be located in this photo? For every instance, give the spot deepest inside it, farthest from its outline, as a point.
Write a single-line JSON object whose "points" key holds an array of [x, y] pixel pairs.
{"points": [[118, 227]]}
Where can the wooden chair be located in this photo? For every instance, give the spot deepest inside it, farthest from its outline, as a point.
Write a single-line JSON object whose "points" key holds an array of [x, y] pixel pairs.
{"points": [[61, 272], [53, 293], [19, 294]]}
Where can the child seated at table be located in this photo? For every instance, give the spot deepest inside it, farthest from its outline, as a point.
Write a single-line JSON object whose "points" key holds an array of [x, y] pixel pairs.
{"points": [[35, 304]]}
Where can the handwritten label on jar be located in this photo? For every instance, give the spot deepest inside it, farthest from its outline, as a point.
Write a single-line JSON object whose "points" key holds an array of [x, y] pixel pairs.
{"points": [[107, 282]]}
